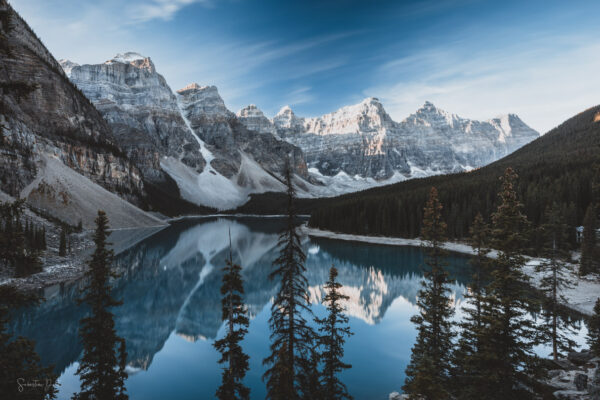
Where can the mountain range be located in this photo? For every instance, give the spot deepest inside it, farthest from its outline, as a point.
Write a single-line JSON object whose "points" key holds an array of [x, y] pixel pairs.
{"points": [[560, 170], [217, 157], [123, 132]]}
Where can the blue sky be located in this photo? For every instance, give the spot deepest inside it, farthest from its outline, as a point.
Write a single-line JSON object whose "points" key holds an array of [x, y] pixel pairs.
{"points": [[539, 59]]}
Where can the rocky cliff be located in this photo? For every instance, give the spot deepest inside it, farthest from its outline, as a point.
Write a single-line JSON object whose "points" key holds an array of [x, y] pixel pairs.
{"points": [[43, 113], [189, 136], [141, 109], [362, 146]]}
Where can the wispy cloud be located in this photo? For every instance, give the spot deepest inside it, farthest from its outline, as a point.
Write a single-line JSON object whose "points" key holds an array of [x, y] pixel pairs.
{"points": [[298, 96], [238, 67], [538, 81], [159, 9]]}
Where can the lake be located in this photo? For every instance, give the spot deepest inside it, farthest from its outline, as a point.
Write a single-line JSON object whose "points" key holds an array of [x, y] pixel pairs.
{"points": [[171, 312]]}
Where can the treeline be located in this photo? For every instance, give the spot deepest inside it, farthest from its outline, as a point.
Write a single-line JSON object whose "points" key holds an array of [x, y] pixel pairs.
{"points": [[21, 241], [491, 355], [560, 167], [102, 366]]}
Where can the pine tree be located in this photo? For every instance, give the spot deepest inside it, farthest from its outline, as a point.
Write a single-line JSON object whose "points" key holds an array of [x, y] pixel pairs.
{"points": [[15, 247], [467, 359], [236, 321], [333, 330], [589, 261], [102, 366], [62, 247], [427, 375], [292, 339], [20, 363], [509, 335], [122, 373], [593, 338], [555, 278]]}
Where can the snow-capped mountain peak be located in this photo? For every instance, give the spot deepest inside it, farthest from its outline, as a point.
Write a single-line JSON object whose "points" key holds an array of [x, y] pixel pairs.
{"points": [[286, 119], [128, 57], [254, 119], [67, 66], [191, 86], [250, 111], [367, 117], [205, 100], [285, 110], [428, 114], [508, 125], [135, 59]]}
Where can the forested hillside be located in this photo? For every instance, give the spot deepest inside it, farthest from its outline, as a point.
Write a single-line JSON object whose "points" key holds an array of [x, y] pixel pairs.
{"points": [[560, 166]]}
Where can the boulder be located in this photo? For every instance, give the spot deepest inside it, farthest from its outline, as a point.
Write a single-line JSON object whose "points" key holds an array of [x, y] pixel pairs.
{"points": [[554, 373], [580, 382], [580, 357]]}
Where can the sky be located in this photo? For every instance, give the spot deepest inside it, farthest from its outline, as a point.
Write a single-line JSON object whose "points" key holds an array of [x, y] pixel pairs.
{"points": [[478, 59]]}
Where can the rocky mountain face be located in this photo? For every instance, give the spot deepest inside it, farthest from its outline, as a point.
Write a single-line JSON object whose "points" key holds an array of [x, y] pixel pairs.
{"points": [[43, 113], [362, 141], [189, 136], [255, 120], [141, 109]]}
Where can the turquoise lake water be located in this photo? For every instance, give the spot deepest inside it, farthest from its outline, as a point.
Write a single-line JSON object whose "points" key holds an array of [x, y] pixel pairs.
{"points": [[171, 312]]}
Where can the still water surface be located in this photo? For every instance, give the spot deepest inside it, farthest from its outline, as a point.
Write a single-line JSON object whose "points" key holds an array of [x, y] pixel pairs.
{"points": [[171, 312]]}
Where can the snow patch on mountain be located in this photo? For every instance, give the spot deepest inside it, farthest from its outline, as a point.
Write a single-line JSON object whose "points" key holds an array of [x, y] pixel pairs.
{"points": [[208, 188], [127, 57]]}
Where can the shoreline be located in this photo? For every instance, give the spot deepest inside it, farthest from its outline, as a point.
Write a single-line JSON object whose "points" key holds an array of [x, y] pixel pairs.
{"points": [[74, 267], [580, 298], [220, 215]]}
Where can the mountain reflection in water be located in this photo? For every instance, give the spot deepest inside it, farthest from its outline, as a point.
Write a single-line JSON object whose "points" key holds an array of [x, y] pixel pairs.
{"points": [[170, 288]]}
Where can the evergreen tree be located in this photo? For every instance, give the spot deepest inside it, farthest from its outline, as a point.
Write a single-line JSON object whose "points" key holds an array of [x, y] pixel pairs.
{"points": [[593, 338], [62, 247], [333, 330], [236, 320], [102, 366], [467, 358], [292, 339], [16, 250], [19, 363], [508, 336], [589, 257], [555, 278], [428, 371]]}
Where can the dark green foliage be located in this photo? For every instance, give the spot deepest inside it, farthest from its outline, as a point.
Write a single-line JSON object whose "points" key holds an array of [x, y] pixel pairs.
{"points": [[35, 236], [19, 249], [507, 336], [235, 316], [555, 167], [427, 375], [590, 255], [62, 247], [333, 331], [593, 338], [19, 363], [292, 339], [467, 358], [165, 198], [555, 274], [102, 366]]}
